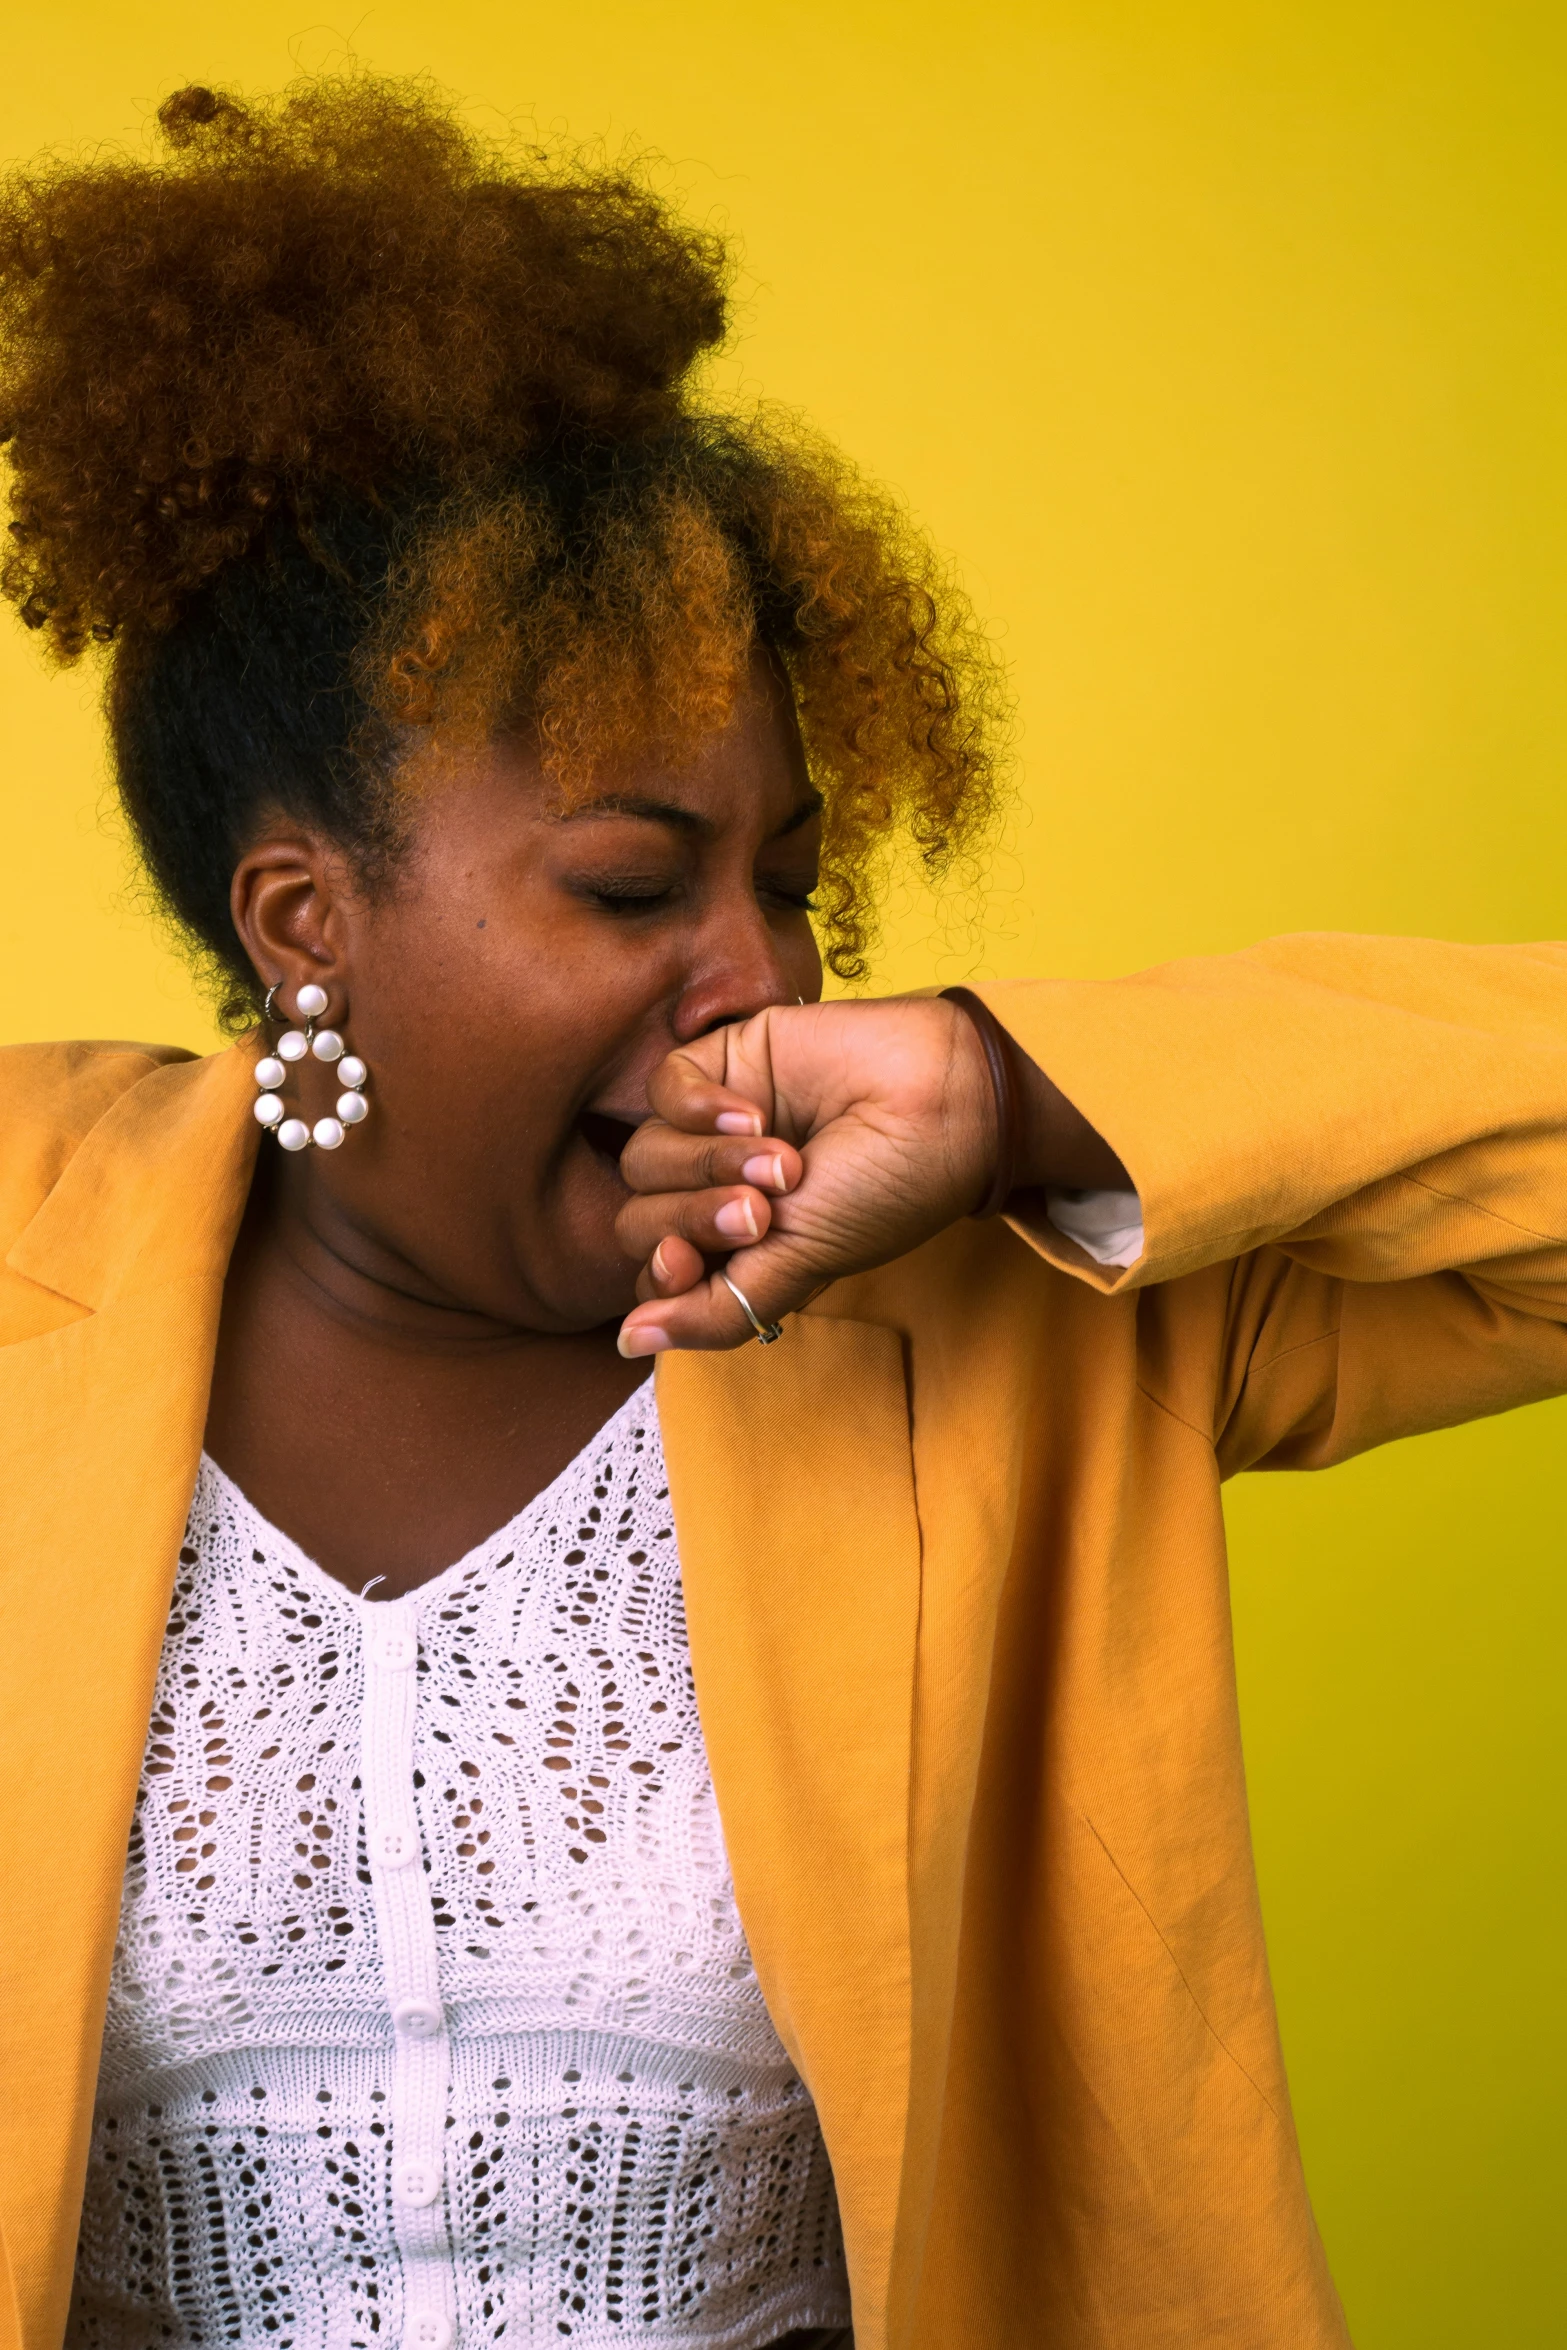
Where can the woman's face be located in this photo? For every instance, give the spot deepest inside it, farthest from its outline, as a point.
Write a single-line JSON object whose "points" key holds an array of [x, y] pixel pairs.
{"points": [[514, 989]]}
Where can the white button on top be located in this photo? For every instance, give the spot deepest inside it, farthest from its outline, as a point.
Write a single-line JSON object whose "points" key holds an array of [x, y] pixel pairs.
{"points": [[428, 2329], [394, 1652], [418, 2183], [421, 2019], [394, 1848]]}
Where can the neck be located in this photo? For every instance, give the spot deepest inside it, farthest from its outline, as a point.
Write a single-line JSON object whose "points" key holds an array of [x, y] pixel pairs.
{"points": [[382, 1422], [356, 1276]]}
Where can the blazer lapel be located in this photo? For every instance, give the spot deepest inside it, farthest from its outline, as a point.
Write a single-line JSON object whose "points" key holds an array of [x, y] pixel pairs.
{"points": [[792, 1483], [101, 1425]]}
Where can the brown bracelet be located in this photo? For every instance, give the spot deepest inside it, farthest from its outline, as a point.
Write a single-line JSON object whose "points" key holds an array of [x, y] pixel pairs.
{"points": [[1003, 1084]]}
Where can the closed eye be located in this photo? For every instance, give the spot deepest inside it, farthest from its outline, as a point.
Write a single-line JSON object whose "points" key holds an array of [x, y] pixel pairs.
{"points": [[637, 893]]}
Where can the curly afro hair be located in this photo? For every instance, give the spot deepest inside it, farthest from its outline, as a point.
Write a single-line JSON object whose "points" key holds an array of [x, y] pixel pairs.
{"points": [[348, 434]]}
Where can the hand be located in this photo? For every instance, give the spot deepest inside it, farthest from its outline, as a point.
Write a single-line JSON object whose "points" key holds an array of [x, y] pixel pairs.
{"points": [[802, 1144]]}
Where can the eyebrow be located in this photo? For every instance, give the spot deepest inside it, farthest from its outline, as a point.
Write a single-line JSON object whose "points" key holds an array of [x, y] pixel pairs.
{"points": [[686, 821]]}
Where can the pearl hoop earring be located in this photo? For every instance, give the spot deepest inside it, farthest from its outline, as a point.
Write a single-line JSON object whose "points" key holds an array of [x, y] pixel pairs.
{"points": [[324, 1044]]}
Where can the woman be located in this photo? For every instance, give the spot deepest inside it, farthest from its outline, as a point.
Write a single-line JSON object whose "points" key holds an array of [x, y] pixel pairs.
{"points": [[505, 728]]}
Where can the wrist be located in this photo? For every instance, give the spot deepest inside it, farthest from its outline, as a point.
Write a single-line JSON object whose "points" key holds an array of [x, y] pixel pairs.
{"points": [[1043, 1142], [1000, 1059]]}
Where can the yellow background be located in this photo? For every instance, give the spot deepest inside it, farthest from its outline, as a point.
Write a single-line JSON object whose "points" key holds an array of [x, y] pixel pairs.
{"points": [[1224, 345]]}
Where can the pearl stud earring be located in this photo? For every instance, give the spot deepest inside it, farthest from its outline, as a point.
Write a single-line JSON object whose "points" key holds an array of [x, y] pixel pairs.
{"points": [[324, 1044]]}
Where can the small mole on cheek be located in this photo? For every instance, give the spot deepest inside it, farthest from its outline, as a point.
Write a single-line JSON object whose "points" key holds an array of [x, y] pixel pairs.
{"points": [[479, 925]]}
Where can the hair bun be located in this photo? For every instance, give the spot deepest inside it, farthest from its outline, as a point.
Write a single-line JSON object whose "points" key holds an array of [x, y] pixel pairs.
{"points": [[340, 291], [191, 110]]}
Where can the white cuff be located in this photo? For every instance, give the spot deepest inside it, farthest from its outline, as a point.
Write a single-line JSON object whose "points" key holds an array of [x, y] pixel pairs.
{"points": [[1106, 1225]]}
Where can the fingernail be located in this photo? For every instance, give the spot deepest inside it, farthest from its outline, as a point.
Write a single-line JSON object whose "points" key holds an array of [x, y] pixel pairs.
{"points": [[736, 1219], [738, 1122], [766, 1174], [646, 1339], [659, 1266]]}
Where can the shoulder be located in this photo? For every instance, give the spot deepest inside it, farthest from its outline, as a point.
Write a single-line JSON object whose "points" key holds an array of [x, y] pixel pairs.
{"points": [[51, 1097]]}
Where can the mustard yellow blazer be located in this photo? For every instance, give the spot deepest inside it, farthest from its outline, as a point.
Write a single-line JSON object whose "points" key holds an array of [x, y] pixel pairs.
{"points": [[955, 1571]]}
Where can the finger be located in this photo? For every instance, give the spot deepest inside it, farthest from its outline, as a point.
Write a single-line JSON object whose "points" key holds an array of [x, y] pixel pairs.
{"points": [[715, 1087], [712, 1221], [673, 1268], [778, 1276], [662, 1158], [708, 1318]]}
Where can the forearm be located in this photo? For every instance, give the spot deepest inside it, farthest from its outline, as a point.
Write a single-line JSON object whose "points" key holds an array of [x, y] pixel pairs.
{"points": [[1058, 1150], [1387, 1107], [1034, 1138]]}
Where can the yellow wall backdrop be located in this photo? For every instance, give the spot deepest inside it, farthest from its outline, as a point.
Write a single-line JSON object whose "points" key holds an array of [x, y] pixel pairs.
{"points": [[1224, 346]]}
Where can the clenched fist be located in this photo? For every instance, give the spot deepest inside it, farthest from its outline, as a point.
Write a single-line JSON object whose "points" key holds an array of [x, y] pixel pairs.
{"points": [[816, 1140]]}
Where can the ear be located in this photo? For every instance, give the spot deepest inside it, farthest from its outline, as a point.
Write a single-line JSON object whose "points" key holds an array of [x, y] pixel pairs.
{"points": [[288, 900]]}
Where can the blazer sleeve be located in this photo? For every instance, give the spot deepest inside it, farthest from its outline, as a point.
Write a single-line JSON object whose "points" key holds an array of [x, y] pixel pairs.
{"points": [[1352, 1160]]}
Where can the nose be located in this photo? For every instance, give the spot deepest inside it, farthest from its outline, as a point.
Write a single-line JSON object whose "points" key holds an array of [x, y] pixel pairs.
{"points": [[737, 970]]}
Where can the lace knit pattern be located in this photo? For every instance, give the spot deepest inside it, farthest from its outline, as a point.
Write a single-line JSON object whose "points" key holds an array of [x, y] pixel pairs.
{"points": [[525, 2088]]}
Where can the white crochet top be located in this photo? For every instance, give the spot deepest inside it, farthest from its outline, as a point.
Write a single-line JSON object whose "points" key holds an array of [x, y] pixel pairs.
{"points": [[431, 2018]]}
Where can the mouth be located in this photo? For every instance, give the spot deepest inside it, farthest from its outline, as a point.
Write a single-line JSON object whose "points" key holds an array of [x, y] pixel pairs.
{"points": [[606, 1135]]}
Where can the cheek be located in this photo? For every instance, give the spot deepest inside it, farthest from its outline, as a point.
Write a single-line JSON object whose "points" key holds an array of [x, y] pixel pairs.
{"points": [[805, 958], [497, 1029]]}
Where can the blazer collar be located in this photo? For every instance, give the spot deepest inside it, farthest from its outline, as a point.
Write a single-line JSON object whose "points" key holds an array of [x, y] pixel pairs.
{"points": [[155, 1190]]}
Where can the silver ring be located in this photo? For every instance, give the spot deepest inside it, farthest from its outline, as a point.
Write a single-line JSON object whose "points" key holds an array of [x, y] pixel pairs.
{"points": [[766, 1332]]}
